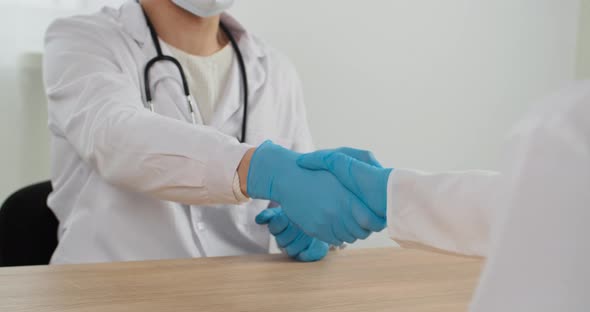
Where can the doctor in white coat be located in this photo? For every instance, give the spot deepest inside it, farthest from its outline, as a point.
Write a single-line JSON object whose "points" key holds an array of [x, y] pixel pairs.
{"points": [[530, 219], [132, 184]]}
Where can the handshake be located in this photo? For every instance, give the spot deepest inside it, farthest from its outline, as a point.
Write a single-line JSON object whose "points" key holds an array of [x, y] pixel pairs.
{"points": [[326, 197]]}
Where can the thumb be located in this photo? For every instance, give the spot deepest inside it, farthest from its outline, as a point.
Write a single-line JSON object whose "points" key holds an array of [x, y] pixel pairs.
{"points": [[364, 156], [266, 215], [338, 163], [315, 160]]}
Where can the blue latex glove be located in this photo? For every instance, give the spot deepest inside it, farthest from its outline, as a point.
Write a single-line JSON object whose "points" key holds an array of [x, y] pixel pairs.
{"points": [[293, 240], [367, 182], [314, 200]]}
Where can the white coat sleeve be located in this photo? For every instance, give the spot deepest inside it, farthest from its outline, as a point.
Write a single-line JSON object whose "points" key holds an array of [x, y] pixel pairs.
{"points": [[98, 108], [450, 212], [540, 253]]}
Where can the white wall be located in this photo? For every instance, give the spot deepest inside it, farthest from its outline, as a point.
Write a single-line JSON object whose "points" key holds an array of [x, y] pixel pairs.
{"points": [[584, 41], [424, 83]]}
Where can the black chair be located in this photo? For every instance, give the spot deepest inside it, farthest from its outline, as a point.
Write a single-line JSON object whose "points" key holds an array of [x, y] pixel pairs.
{"points": [[28, 229]]}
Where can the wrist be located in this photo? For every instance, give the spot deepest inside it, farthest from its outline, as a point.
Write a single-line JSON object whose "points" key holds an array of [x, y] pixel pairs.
{"points": [[244, 169]]}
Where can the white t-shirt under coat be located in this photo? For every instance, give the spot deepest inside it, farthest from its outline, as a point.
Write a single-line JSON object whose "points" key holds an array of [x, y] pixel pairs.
{"points": [[206, 77]]}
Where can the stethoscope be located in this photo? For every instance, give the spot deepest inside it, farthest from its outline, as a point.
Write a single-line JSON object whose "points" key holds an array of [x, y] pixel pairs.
{"points": [[166, 58]]}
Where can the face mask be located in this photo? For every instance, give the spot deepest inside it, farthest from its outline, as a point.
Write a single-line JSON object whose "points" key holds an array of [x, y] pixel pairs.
{"points": [[204, 8]]}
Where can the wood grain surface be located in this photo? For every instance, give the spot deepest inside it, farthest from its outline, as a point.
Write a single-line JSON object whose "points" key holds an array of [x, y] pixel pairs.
{"points": [[351, 280]]}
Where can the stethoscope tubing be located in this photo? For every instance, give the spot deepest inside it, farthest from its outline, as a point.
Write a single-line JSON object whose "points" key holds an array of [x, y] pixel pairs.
{"points": [[160, 57]]}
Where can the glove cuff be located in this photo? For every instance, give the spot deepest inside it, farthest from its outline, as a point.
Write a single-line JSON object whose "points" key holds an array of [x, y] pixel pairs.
{"points": [[266, 166]]}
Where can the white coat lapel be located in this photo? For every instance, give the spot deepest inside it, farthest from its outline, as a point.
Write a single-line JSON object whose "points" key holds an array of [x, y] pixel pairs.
{"points": [[232, 100]]}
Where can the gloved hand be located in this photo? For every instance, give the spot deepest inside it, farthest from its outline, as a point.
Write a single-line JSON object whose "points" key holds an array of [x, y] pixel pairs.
{"points": [[314, 200], [293, 240], [367, 182]]}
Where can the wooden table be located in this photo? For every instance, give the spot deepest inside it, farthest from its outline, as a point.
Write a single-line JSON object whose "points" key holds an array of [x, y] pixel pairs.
{"points": [[353, 280]]}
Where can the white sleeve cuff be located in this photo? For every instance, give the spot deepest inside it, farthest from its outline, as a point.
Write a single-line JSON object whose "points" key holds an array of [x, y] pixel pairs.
{"points": [[221, 168]]}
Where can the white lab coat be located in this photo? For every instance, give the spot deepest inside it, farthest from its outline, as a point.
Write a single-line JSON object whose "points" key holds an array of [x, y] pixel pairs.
{"points": [[130, 184], [531, 220]]}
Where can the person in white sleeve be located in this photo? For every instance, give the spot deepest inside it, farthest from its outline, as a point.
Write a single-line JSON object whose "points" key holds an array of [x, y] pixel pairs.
{"points": [[529, 219]]}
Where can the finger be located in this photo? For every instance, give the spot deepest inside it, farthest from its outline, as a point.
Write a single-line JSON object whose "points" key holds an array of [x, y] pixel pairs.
{"points": [[325, 234], [278, 223], [288, 235], [298, 245], [316, 251], [366, 218], [361, 155], [266, 215], [342, 233], [354, 228]]}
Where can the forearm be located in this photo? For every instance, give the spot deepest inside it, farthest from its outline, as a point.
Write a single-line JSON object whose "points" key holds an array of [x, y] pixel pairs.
{"points": [[120, 142], [451, 211], [131, 155]]}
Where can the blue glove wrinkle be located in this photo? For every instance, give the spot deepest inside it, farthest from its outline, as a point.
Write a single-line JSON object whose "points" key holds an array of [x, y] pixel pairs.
{"points": [[288, 236]]}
